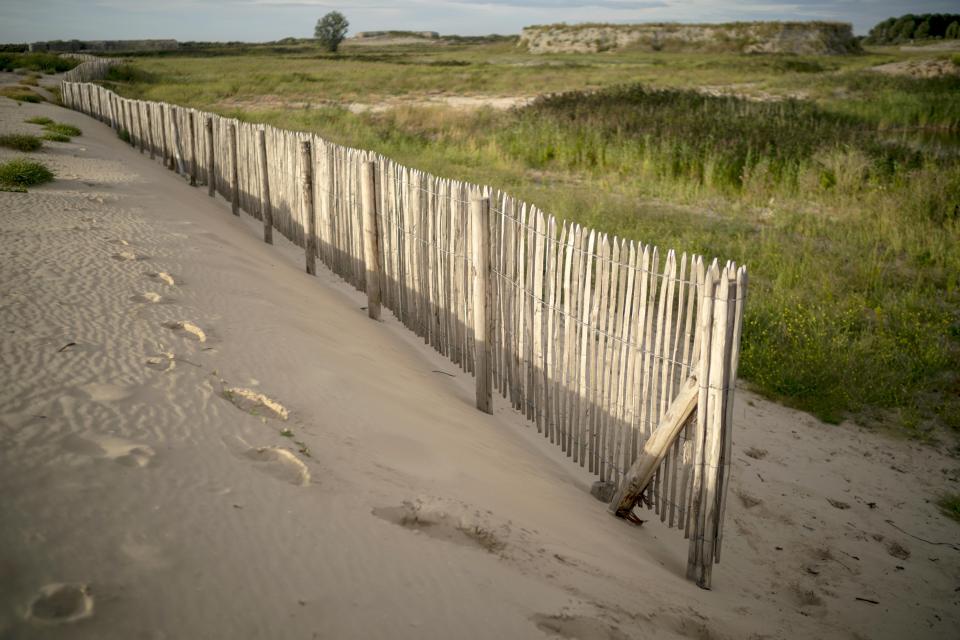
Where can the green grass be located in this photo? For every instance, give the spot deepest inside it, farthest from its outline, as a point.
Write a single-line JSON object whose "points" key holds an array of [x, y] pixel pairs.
{"points": [[20, 94], [62, 129], [55, 131], [20, 142], [22, 173], [845, 205], [949, 504], [124, 135]]}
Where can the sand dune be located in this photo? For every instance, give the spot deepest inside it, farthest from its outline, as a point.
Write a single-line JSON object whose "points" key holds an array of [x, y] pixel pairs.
{"points": [[202, 441]]}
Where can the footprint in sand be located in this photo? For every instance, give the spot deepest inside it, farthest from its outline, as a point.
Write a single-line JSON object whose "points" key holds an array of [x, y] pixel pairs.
{"points": [[255, 403], [163, 276], [105, 392], [163, 362], [126, 256], [279, 463], [147, 296], [187, 328], [124, 452], [274, 461], [581, 627], [61, 603], [435, 522]]}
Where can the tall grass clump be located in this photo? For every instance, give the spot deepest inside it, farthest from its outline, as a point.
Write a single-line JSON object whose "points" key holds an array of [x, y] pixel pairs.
{"points": [[949, 504], [20, 94], [24, 173], [893, 101], [708, 141], [59, 128], [43, 62], [20, 142]]}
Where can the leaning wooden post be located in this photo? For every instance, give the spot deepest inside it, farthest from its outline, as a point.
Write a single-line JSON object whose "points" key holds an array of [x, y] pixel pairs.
{"points": [[266, 210], [211, 179], [655, 449], [482, 312], [306, 195], [371, 237], [234, 173]]}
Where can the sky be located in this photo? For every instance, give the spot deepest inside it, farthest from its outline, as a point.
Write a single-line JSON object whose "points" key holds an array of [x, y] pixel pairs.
{"points": [[265, 20]]}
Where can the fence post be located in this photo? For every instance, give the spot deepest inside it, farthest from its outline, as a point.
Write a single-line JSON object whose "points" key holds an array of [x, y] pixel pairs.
{"points": [[150, 143], [211, 179], [371, 238], [167, 155], [141, 133], [193, 149], [482, 290], [306, 193], [266, 210], [234, 173]]}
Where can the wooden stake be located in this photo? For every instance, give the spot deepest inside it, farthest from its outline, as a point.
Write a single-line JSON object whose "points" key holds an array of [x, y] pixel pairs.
{"points": [[371, 244], [655, 449], [193, 149], [140, 134], [306, 198], [150, 139], [235, 174], [265, 209], [211, 179], [482, 312]]}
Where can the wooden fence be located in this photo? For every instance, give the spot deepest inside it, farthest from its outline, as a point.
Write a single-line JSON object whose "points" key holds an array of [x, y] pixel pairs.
{"points": [[622, 356]]}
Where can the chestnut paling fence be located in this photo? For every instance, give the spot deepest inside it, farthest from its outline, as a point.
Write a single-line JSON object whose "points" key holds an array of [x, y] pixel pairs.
{"points": [[622, 356]]}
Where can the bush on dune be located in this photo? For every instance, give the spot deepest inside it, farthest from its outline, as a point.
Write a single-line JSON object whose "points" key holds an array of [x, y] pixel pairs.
{"points": [[20, 142], [24, 173]]}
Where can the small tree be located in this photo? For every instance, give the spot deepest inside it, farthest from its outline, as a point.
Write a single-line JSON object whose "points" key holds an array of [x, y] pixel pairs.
{"points": [[953, 31], [331, 29]]}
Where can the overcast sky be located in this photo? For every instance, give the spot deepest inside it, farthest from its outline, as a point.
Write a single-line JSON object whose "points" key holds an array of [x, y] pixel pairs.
{"points": [[260, 20]]}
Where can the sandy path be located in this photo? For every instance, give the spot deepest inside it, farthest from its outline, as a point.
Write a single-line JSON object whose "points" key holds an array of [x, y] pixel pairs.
{"points": [[201, 441]]}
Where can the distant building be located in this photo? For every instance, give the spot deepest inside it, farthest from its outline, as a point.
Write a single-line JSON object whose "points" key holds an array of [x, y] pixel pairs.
{"points": [[103, 46]]}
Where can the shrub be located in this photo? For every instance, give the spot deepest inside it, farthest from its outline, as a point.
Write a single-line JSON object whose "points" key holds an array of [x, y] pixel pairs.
{"points": [[45, 62], [24, 173], [20, 94], [949, 503], [20, 142], [63, 129], [127, 73], [124, 135]]}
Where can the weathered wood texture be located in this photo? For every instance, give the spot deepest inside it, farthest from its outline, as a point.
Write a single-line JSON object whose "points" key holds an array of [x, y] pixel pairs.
{"points": [[482, 278], [592, 337]]}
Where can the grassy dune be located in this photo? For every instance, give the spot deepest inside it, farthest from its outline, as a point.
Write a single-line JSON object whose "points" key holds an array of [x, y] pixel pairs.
{"points": [[844, 202]]}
